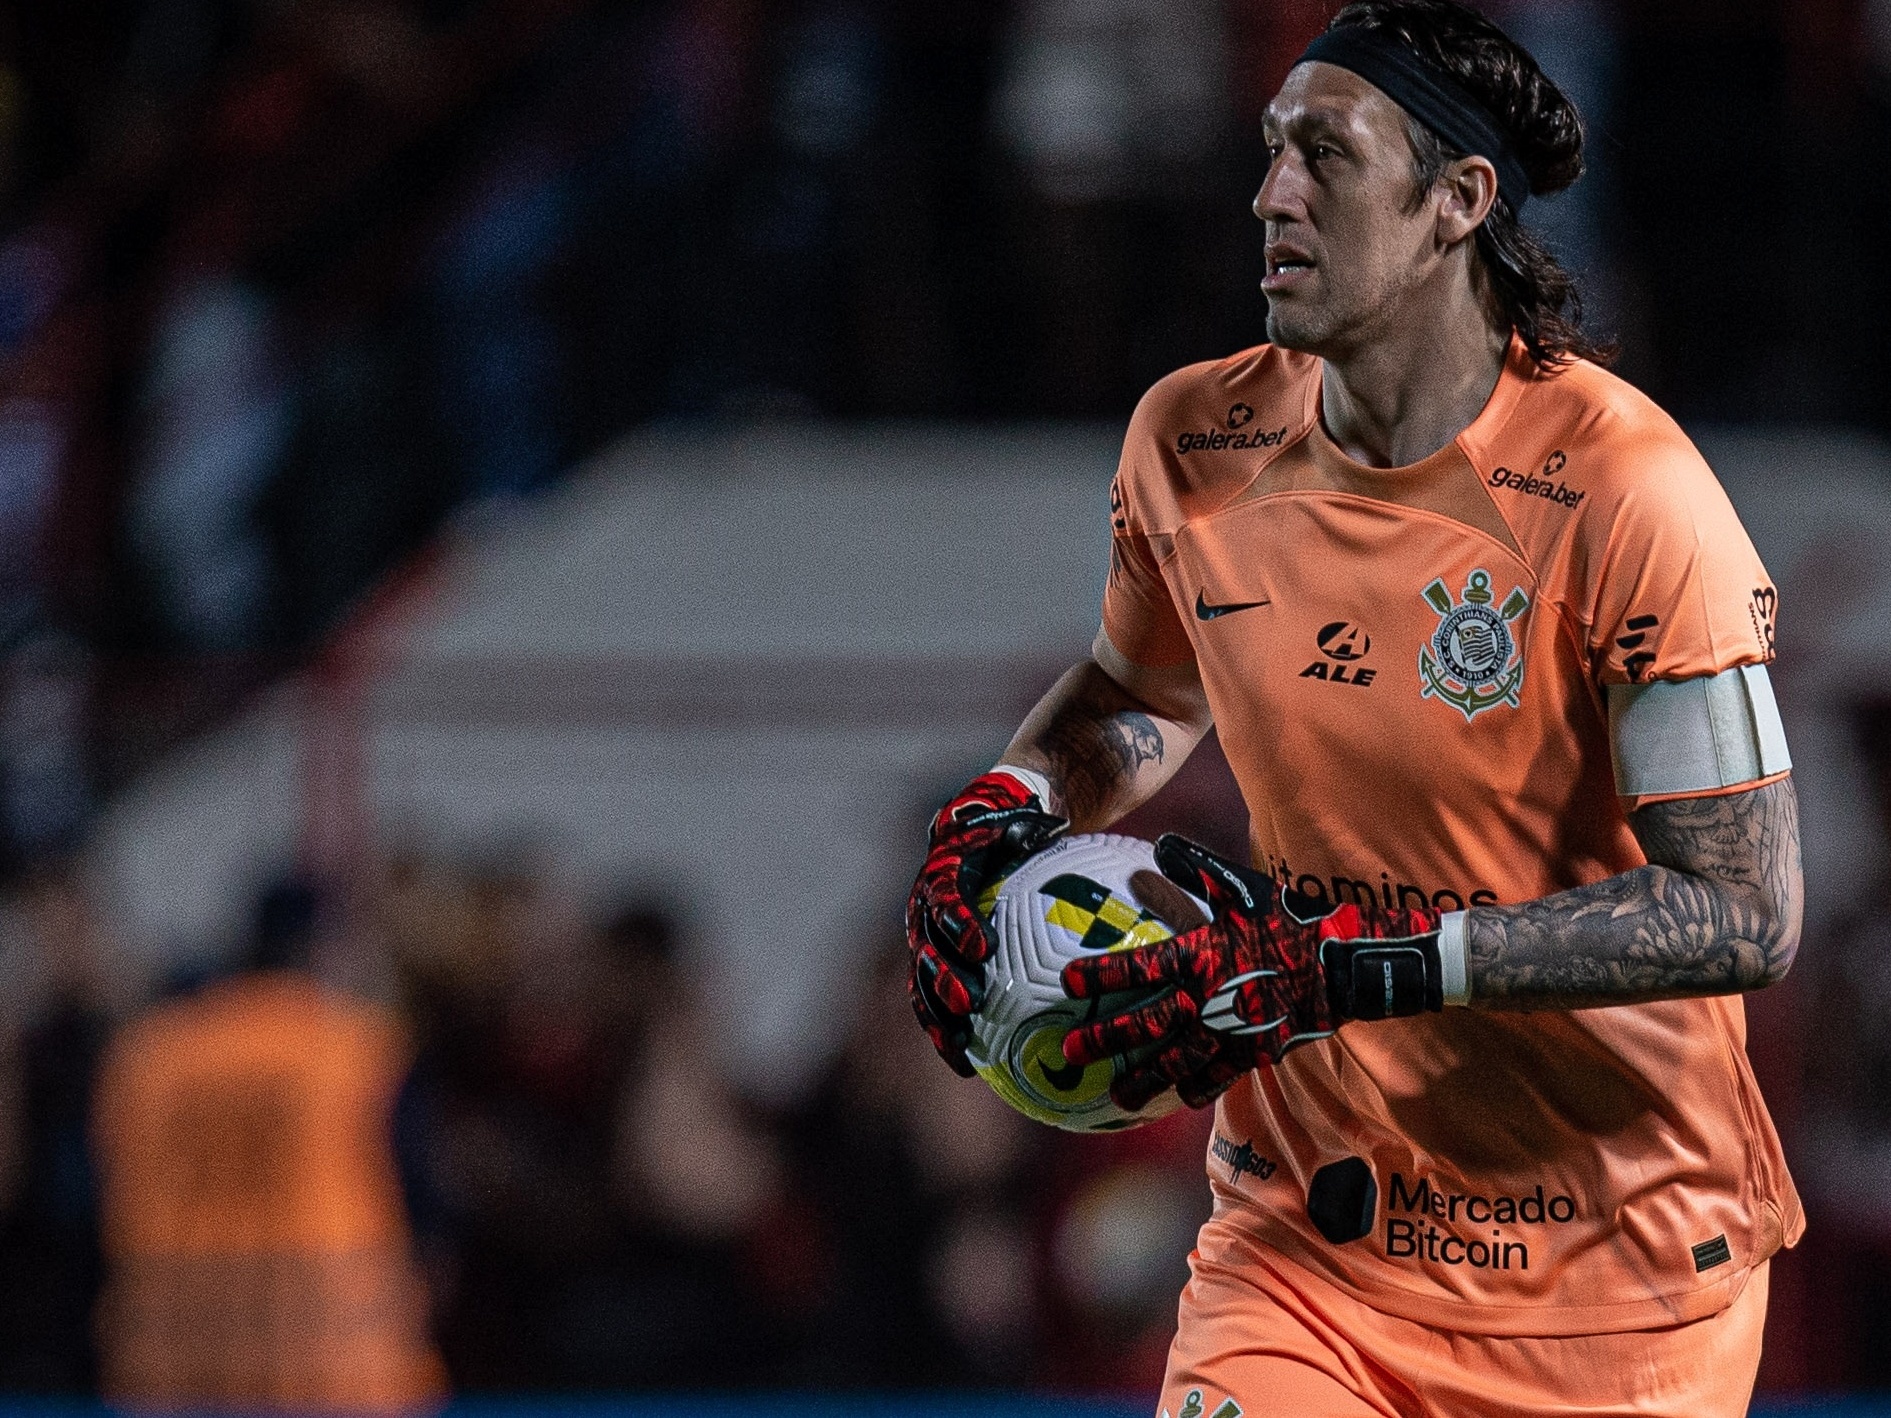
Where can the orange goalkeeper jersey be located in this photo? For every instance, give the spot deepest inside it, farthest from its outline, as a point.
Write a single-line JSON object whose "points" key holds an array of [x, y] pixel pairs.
{"points": [[1407, 669]]}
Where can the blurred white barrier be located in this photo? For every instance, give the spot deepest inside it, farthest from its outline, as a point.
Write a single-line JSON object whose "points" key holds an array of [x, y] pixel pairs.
{"points": [[732, 664], [737, 664]]}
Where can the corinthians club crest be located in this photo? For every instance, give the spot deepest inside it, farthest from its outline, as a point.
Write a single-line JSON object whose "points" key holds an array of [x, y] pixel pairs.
{"points": [[1473, 661]]}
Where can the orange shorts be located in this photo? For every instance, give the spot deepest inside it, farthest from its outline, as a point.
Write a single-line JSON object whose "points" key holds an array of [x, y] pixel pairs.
{"points": [[1273, 1338]]}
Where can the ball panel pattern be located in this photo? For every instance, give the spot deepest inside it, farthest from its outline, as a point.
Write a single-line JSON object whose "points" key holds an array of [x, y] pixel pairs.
{"points": [[1077, 897]]}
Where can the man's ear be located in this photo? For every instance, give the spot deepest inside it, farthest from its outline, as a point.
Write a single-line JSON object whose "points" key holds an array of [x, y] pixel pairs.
{"points": [[1469, 188]]}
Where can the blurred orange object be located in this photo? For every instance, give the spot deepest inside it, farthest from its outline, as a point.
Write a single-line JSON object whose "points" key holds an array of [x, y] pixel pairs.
{"points": [[252, 1218]]}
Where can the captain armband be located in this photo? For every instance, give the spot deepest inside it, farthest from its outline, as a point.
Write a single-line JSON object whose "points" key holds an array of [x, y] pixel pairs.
{"points": [[1696, 735]]}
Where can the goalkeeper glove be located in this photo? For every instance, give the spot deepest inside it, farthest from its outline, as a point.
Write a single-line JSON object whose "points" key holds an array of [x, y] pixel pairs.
{"points": [[1272, 970], [994, 824]]}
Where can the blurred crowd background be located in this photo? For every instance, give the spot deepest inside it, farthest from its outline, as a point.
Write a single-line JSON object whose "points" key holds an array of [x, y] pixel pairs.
{"points": [[291, 290], [446, 1126]]}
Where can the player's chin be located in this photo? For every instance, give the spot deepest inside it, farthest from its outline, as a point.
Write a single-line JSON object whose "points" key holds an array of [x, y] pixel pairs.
{"points": [[1296, 323]]}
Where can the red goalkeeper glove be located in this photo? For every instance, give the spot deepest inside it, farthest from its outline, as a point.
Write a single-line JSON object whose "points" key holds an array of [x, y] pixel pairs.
{"points": [[1272, 970], [976, 838]]}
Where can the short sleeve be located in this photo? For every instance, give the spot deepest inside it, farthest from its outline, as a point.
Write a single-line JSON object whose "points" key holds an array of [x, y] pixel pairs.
{"points": [[1678, 591], [1139, 614], [1679, 594]]}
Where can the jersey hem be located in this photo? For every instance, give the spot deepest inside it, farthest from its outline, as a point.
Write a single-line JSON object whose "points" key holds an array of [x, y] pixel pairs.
{"points": [[1503, 1321], [1642, 800], [1103, 635]]}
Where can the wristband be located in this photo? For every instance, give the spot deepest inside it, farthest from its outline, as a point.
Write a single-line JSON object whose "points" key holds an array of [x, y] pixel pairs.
{"points": [[1030, 779], [1453, 963]]}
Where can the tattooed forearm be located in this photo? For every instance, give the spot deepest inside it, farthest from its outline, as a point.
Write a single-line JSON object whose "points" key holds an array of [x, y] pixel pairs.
{"points": [[1091, 756], [1102, 749], [1715, 911]]}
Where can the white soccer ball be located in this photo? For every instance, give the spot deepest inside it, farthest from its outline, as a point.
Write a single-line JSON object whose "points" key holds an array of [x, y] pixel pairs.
{"points": [[1082, 895]]}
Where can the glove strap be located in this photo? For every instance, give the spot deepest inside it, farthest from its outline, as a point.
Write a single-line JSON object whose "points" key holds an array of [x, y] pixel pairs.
{"points": [[1384, 979]]}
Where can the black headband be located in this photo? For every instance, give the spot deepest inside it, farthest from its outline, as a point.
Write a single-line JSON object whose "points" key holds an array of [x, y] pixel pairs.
{"points": [[1432, 97]]}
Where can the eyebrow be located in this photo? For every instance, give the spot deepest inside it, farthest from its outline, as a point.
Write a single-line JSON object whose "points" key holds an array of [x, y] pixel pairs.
{"points": [[1320, 119]]}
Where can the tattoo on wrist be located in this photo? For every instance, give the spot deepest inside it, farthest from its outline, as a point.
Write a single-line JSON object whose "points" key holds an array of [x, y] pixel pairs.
{"points": [[1092, 758], [1707, 915]]}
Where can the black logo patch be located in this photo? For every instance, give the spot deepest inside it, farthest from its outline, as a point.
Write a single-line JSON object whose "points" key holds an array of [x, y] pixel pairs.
{"points": [[1639, 627], [1240, 415], [1709, 1254], [1342, 1200]]}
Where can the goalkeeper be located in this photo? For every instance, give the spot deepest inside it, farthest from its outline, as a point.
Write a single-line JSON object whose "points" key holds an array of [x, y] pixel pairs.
{"points": [[1486, 648]]}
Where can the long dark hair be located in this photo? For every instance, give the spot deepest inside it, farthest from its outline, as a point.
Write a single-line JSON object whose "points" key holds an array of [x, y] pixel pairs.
{"points": [[1536, 294]]}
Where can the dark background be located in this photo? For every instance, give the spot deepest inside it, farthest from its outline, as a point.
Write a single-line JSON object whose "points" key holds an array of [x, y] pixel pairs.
{"points": [[288, 286]]}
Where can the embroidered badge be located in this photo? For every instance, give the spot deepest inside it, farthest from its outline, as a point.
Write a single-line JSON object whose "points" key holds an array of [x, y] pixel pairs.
{"points": [[1473, 661], [1193, 1407]]}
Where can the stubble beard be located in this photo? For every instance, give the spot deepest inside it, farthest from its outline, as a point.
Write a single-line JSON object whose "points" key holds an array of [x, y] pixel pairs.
{"points": [[1303, 330], [1336, 324]]}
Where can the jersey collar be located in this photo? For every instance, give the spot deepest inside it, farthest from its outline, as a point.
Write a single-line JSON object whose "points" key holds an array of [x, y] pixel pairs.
{"points": [[1517, 373]]}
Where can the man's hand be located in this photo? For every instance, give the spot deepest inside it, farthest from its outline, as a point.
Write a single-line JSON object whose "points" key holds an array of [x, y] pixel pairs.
{"points": [[1271, 971], [994, 824]]}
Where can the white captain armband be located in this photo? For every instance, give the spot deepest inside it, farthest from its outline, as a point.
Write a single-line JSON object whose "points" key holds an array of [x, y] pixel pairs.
{"points": [[1696, 735]]}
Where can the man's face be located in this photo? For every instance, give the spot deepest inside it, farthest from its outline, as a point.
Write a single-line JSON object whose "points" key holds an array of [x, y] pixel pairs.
{"points": [[1343, 250]]}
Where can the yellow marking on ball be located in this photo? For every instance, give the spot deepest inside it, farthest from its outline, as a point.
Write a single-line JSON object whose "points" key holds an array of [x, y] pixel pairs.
{"points": [[1119, 913], [1074, 1085], [1115, 913], [1070, 916], [1146, 933]]}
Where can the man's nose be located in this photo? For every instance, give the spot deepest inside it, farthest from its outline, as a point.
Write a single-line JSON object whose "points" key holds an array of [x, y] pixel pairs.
{"points": [[1280, 196]]}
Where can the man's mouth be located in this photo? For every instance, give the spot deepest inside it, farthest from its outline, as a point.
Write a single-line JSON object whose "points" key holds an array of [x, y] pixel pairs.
{"points": [[1285, 266]]}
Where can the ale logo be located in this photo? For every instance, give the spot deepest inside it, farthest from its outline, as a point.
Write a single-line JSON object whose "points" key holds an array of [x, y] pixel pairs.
{"points": [[1473, 661]]}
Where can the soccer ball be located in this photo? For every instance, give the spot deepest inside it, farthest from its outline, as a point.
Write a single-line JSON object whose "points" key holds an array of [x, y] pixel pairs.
{"points": [[1080, 896]]}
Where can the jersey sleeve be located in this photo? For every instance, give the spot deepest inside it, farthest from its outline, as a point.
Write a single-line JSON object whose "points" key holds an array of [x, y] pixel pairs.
{"points": [[1139, 614], [1681, 598], [1677, 591]]}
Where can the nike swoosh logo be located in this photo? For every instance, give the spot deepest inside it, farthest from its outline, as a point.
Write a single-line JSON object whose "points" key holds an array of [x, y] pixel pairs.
{"points": [[1204, 611], [1062, 1079]]}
